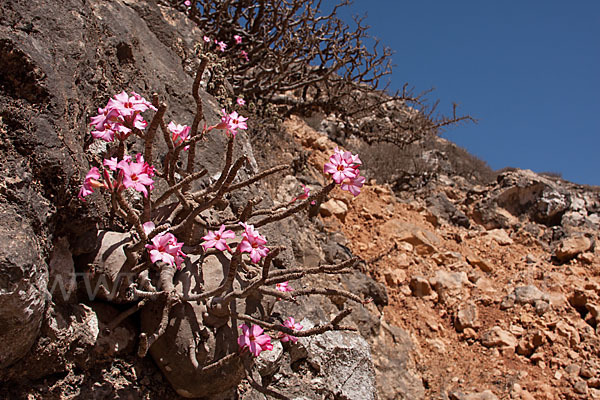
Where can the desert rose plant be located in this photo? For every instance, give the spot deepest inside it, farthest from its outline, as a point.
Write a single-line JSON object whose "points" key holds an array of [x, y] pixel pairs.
{"points": [[165, 247]]}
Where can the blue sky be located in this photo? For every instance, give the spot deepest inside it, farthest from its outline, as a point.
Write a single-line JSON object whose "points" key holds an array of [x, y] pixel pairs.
{"points": [[528, 70]]}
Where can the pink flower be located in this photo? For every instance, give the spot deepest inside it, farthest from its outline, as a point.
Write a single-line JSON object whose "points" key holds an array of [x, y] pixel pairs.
{"points": [[108, 135], [222, 45], [129, 106], [283, 287], [90, 182], [348, 157], [148, 227], [165, 248], [206, 39], [292, 324], [240, 101], [110, 163], [137, 174], [120, 116], [244, 55], [232, 122], [237, 38], [187, 3], [254, 339], [179, 133], [353, 185], [342, 166], [253, 243], [304, 195], [217, 239]]}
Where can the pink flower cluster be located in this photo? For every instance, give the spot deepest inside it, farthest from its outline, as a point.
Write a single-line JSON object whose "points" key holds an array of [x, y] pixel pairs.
{"points": [[120, 116], [283, 287], [292, 324], [256, 341], [217, 239], [131, 174], [232, 122], [179, 133], [252, 242], [343, 167], [164, 247], [222, 46]]}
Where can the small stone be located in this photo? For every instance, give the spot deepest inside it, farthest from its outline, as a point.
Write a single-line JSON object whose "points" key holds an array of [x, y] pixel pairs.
{"points": [[420, 287], [500, 236], [466, 317], [334, 207], [541, 364], [525, 395], [485, 395], [530, 259], [581, 387], [537, 357], [587, 258], [528, 295], [470, 333], [497, 337], [394, 277], [587, 371], [485, 266]]}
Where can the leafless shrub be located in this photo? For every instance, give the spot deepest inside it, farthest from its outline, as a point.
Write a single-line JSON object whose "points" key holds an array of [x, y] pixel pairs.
{"points": [[182, 211], [414, 165], [303, 60]]}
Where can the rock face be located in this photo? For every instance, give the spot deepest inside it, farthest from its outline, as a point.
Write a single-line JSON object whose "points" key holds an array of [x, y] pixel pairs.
{"points": [[344, 364], [56, 72], [23, 280], [543, 200], [60, 61]]}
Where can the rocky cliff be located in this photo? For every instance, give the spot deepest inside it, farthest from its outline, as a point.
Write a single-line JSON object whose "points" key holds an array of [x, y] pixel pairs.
{"points": [[479, 292]]}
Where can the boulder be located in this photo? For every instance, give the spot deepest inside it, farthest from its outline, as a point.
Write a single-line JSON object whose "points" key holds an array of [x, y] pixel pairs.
{"points": [[344, 363], [442, 209], [68, 336], [23, 286], [572, 246]]}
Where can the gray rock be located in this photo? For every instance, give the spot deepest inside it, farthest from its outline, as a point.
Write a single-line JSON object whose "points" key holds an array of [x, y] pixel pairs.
{"points": [[62, 284], [268, 361], [344, 363], [107, 268], [23, 281], [393, 356], [527, 295], [467, 316], [443, 209], [67, 336]]}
